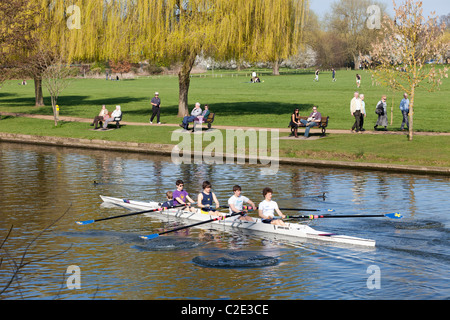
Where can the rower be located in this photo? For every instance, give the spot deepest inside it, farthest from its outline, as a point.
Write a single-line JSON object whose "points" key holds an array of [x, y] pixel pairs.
{"points": [[180, 196], [236, 203], [267, 208], [169, 202], [205, 200]]}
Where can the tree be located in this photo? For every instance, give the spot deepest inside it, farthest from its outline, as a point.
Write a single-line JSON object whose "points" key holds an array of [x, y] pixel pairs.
{"points": [[349, 22], [121, 66], [280, 31], [168, 32], [400, 57], [176, 31], [56, 77], [17, 25]]}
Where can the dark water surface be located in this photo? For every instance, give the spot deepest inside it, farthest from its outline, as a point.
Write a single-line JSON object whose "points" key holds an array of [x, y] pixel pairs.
{"points": [[39, 184]]}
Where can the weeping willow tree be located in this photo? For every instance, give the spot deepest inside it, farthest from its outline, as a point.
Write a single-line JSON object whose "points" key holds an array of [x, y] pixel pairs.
{"points": [[171, 31], [176, 31], [280, 31]]}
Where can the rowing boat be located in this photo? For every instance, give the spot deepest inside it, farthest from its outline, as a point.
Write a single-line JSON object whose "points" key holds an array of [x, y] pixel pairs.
{"points": [[291, 229]]}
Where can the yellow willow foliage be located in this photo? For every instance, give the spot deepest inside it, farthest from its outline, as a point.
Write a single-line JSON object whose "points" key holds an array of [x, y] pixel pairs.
{"points": [[171, 30]]}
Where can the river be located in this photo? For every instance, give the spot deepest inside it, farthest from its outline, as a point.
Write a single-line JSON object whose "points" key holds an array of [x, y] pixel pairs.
{"points": [[42, 184]]}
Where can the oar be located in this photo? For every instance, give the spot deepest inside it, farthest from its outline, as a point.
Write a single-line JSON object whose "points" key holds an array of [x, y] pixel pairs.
{"points": [[287, 209], [311, 210], [155, 235], [248, 208], [127, 215], [394, 215]]}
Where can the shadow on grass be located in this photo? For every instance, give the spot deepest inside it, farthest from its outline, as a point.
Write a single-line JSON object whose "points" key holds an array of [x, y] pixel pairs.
{"points": [[236, 109], [74, 105], [67, 101]]}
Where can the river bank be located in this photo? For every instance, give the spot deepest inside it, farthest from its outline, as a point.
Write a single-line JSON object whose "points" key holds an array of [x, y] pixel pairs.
{"points": [[167, 149]]}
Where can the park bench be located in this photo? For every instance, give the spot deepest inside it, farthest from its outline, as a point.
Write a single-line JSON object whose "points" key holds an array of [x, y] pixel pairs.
{"points": [[208, 121], [116, 119], [322, 125]]}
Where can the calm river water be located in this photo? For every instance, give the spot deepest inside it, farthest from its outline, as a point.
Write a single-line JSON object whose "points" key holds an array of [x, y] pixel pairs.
{"points": [[39, 184]]}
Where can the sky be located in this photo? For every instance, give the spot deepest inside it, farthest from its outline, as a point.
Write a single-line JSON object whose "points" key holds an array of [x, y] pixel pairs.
{"points": [[441, 7]]}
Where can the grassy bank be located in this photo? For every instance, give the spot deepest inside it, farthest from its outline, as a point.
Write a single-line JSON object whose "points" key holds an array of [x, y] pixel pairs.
{"points": [[430, 151], [237, 102]]}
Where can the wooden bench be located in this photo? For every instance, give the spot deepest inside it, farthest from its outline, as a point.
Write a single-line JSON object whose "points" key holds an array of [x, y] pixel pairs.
{"points": [[322, 125], [116, 119], [208, 121]]}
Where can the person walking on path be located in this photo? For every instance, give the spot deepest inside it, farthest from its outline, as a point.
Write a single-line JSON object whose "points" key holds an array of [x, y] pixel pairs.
{"points": [[358, 80], [381, 112], [156, 104], [355, 111], [363, 113], [404, 108]]}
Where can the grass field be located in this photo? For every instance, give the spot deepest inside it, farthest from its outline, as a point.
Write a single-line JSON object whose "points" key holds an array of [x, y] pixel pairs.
{"points": [[237, 102]]}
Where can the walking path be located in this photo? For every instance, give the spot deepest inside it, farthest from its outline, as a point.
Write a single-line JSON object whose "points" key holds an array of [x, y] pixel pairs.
{"points": [[166, 150], [337, 131]]}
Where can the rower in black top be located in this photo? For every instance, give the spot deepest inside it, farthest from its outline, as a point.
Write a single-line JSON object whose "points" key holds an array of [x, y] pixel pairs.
{"points": [[205, 200]]}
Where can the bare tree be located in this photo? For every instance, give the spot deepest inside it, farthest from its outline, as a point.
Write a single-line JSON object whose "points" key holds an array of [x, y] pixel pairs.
{"points": [[17, 265], [348, 24], [55, 76]]}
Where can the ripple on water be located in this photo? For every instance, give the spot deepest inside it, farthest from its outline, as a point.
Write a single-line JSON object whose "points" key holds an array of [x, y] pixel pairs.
{"points": [[167, 244], [420, 224], [242, 259]]}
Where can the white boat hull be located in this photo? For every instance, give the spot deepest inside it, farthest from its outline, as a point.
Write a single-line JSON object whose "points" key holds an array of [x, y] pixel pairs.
{"points": [[291, 229]]}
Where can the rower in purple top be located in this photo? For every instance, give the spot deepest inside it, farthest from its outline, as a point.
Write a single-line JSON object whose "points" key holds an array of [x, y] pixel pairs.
{"points": [[181, 196]]}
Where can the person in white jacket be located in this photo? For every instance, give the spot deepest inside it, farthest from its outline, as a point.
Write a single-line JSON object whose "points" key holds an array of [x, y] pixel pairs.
{"points": [[197, 111], [116, 114]]}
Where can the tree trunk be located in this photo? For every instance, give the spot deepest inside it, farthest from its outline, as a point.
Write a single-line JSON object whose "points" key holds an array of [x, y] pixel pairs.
{"points": [[276, 68], [411, 115], [392, 109], [39, 97], [356, 62], [184, 81], [55, 112]]}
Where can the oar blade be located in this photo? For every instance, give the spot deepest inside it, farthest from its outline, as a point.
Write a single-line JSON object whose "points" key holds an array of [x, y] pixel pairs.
{"points": [[83, 223], [395, 215], [150, 236]]}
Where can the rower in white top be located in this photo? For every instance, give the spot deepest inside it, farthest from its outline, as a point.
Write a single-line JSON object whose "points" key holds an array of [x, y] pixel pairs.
{"points": [[236, 203], [267, 209]]}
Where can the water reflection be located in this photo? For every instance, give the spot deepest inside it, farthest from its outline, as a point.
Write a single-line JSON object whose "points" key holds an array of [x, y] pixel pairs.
{"points": [[38, 184]]}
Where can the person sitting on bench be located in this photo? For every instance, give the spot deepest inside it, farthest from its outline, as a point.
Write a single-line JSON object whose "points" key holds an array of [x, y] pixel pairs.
{"points": [[197, 111], [116, 114], [295, 121], [313, 120]]}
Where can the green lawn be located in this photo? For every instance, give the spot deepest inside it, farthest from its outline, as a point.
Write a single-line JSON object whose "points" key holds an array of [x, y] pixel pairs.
{"points": [[240, 103]]}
